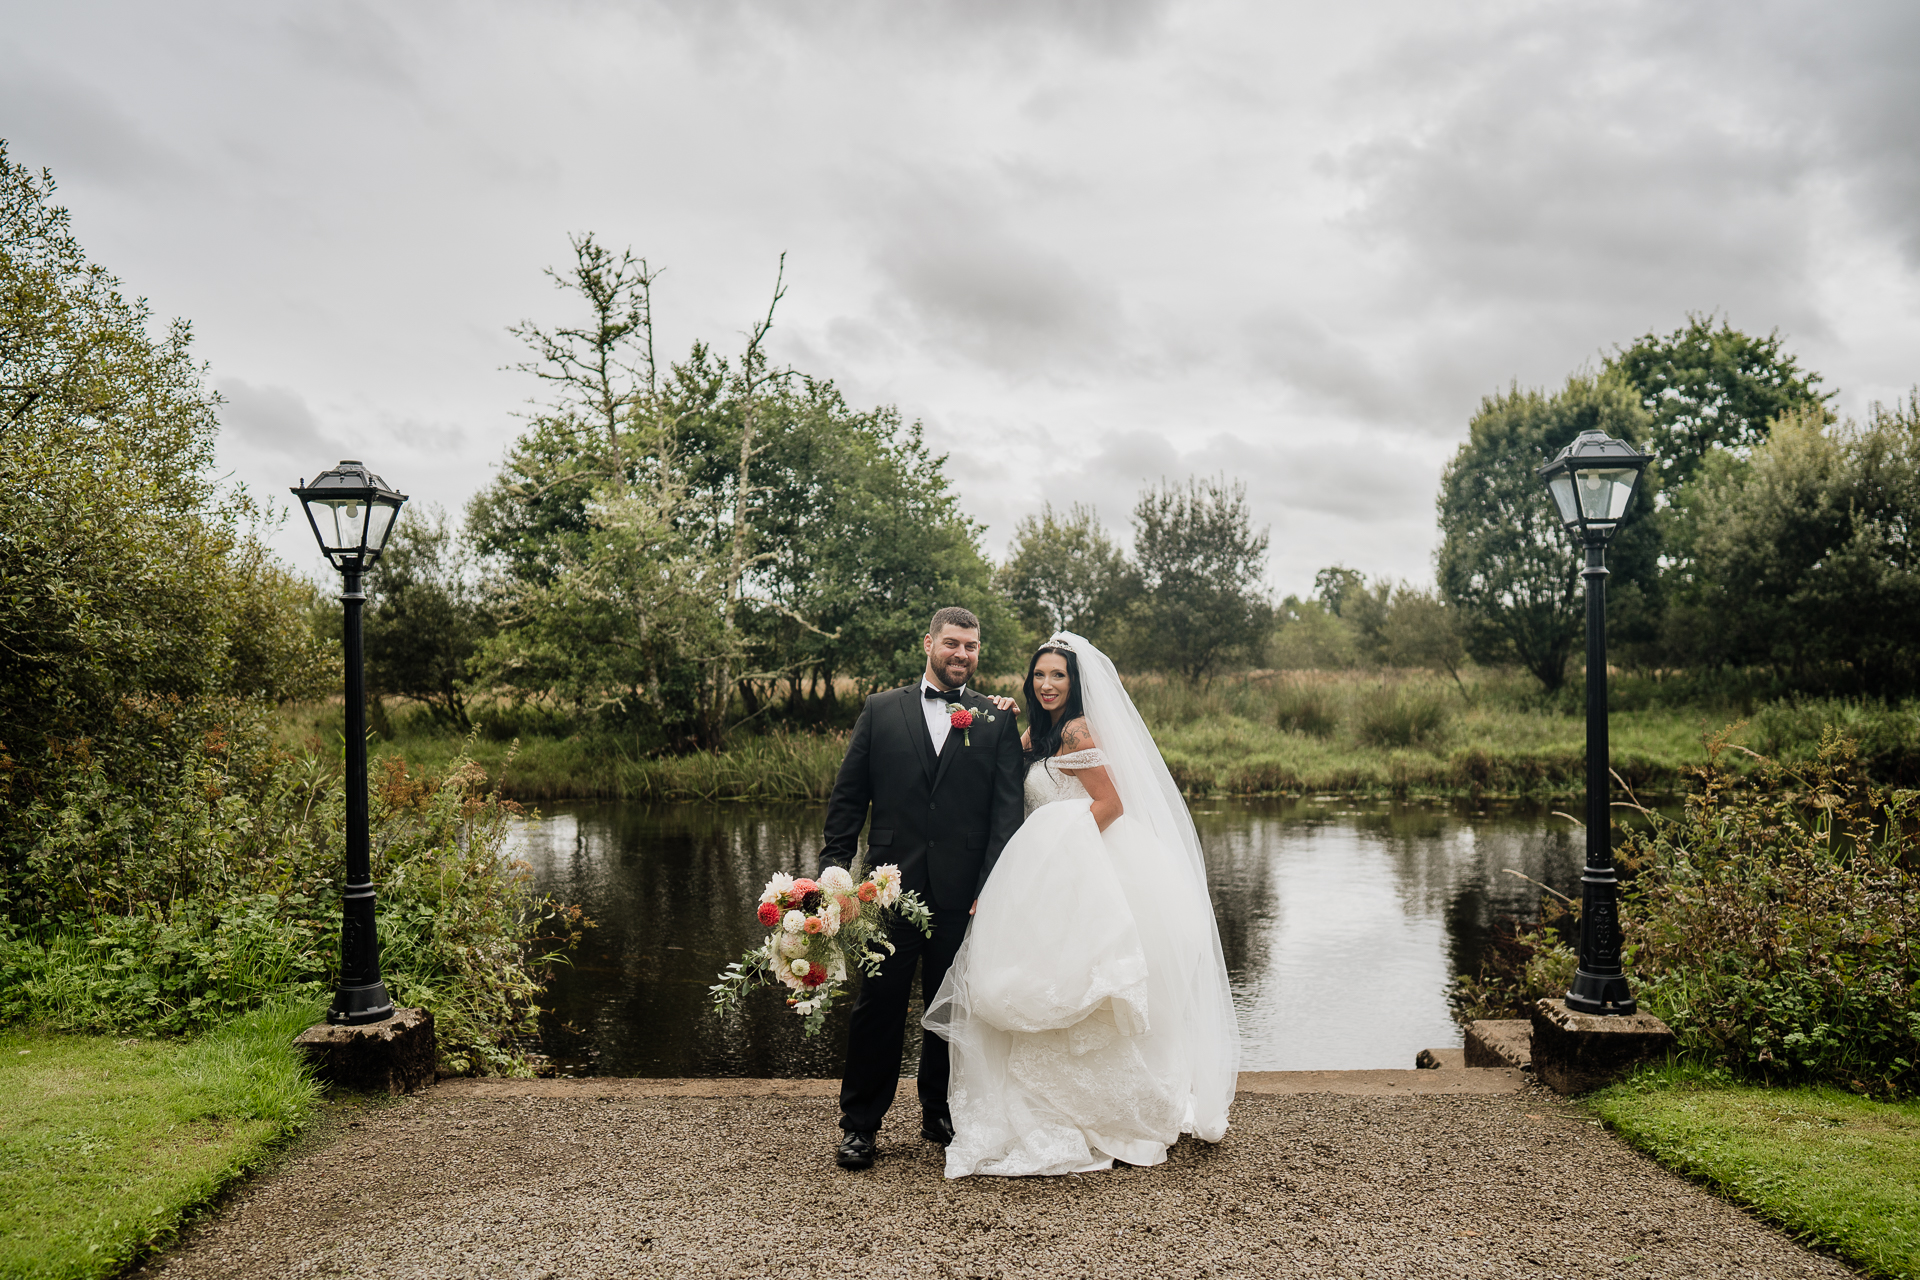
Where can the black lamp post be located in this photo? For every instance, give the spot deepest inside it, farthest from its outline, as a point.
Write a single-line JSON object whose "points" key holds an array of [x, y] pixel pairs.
{"points": [[1593, 481], [352, 512]]}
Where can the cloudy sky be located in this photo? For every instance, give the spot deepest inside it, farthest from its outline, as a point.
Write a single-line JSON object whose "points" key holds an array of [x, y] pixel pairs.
{"points": [[1090, 243]]}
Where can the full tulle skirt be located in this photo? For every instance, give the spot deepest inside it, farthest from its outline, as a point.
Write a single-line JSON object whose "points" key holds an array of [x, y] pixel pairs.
{"points": [[1087, 1011]]}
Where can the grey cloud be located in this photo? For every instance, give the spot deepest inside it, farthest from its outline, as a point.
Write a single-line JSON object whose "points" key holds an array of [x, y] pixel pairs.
{"points": [[1849, 85], [59, 117], [1330, 369], [956, 269], [275, 420], [353, 41], [1000, 27]]}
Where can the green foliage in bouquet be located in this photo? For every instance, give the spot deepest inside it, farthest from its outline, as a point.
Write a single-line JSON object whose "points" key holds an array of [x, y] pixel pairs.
{"points": [[821, 932]]}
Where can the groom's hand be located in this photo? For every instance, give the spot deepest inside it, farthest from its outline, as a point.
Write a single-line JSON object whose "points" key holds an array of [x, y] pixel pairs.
{"points": [[975, 907]]}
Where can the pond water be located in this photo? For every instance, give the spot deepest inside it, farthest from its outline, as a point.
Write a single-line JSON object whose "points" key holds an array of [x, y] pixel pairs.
{"points": [[1342, 925]]}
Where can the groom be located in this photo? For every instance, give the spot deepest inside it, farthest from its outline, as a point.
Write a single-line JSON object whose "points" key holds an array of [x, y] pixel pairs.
{"points": [[945, 800]]}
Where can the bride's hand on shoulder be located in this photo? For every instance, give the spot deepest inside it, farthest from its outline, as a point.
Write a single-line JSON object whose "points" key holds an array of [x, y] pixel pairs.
{"points": [[1004, 703]]}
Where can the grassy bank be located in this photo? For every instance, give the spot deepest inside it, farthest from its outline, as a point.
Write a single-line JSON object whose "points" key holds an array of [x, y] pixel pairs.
{"points": [[1836, 1170], [1354, 733], [107, 1145], [1401, 734]]}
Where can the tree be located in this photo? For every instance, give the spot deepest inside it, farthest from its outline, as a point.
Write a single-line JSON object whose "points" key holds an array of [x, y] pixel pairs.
{"points": [[673, 539], [1803, 557], [1066, 574], [1421, 631], [133, 591], [424, 617], [1201, 566], [868, 540], [1708, 388], [1335, 584], [1506, 564], [1344, 593], [607, 594], [1307, 636]]}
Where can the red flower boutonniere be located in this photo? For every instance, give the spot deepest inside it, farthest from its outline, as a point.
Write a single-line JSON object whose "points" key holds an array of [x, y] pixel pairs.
{"points": [[962, 718]]}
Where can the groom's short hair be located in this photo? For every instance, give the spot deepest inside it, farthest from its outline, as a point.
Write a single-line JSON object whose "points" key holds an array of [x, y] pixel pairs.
{"points": [[952, 616]]}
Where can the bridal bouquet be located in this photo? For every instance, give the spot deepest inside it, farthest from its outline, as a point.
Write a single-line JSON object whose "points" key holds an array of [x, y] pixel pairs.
{"points": [[821, 930]]}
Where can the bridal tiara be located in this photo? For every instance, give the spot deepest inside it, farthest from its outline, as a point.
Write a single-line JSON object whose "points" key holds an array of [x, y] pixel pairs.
{"points": [[1059, 640]]}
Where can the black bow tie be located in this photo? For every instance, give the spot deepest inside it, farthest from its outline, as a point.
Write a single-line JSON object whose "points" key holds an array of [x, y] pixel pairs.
{"points": [[945, 695]]}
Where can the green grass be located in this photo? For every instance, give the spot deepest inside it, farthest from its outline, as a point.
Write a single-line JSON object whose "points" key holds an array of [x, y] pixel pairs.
{"points": [[1840, 1172], [108, 1145]]}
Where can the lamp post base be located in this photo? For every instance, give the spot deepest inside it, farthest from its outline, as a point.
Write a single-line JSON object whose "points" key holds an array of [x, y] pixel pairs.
{"points": [[358, 1005], [1573, 1052], [1601, 993], [397, 1056]]}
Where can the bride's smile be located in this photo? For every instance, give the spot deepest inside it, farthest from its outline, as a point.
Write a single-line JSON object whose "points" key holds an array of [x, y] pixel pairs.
{"points": [[1051, 684]]}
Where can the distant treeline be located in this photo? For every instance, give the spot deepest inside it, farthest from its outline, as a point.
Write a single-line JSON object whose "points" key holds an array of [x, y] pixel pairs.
{"points": [[679, 549]]}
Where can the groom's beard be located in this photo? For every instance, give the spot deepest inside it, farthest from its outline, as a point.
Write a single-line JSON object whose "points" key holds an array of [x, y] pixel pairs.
{"points": [[954, 674]]}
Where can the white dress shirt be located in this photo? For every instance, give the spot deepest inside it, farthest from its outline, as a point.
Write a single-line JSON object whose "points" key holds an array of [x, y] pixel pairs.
{"points": [[937, 711]]}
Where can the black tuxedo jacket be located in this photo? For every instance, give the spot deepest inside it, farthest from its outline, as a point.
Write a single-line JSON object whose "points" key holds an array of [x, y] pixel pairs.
{"points": [[942, 819]]}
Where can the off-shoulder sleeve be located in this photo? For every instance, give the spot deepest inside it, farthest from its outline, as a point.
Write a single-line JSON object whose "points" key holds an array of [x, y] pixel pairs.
{"points": [[1091, 758]]}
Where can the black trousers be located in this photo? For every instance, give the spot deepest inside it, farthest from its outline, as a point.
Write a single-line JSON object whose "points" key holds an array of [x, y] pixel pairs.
{"points": [[879, 1026]]}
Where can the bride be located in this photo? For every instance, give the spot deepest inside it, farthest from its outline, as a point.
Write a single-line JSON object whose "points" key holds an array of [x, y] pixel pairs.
{"points": [[1088, 1012]]}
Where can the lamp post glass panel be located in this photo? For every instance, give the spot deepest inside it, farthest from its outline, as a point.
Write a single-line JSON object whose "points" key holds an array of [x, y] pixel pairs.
{"points": [[1592, 482], [352, 511]]}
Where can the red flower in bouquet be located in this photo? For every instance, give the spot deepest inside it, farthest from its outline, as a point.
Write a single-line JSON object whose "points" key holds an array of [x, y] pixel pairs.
{"points": [[816, 975], [769, 914]]}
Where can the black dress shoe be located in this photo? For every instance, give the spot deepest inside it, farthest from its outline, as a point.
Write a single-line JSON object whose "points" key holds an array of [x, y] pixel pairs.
{"points": [[856, 1150], [936, 1129]]}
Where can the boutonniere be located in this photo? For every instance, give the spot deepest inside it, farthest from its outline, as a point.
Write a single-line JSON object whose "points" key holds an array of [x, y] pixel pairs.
{"points": [[962, 718]]}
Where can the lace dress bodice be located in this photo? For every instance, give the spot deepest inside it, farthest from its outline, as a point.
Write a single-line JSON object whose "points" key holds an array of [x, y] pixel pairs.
{"points": [[1049, 780]]}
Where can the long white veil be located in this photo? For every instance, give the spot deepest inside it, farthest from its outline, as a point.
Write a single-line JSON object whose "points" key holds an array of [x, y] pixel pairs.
{"points": [[1148, 795]]}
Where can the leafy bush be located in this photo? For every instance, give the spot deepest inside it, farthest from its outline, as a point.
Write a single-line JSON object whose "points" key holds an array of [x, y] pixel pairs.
{"points": [[1393, 716], [1306, 709], [1886, 735], [1775, 926], [211, 887]]}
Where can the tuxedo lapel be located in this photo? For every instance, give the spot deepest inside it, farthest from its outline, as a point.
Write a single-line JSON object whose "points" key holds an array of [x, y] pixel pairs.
{"points": [[956, 741], [915, 721]]}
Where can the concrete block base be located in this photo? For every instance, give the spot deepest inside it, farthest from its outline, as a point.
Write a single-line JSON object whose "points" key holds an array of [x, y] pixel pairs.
{"points": [[1500, 1042], [395, 1056], [1575, 1052]]}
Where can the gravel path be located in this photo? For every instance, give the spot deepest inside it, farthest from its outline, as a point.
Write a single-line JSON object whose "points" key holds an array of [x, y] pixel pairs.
{"points": [[1381, 1184]]}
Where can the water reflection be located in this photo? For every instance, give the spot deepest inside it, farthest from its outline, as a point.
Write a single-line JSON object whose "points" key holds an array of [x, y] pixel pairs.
{"points": [[1342, 926]]}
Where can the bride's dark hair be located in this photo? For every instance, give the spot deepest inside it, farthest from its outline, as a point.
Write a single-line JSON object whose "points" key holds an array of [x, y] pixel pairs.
{"points": [[1043, 728]]}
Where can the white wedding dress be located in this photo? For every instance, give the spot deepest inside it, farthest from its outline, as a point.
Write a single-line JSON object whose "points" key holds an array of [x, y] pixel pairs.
{"points": [[1088, 1010]]}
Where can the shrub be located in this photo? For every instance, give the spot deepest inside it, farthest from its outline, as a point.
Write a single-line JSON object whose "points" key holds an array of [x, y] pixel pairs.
{"points": [[1886, 736], [1394, 716], [1305, 709], [1775, 926], [212, 887], [1258, 778]]}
